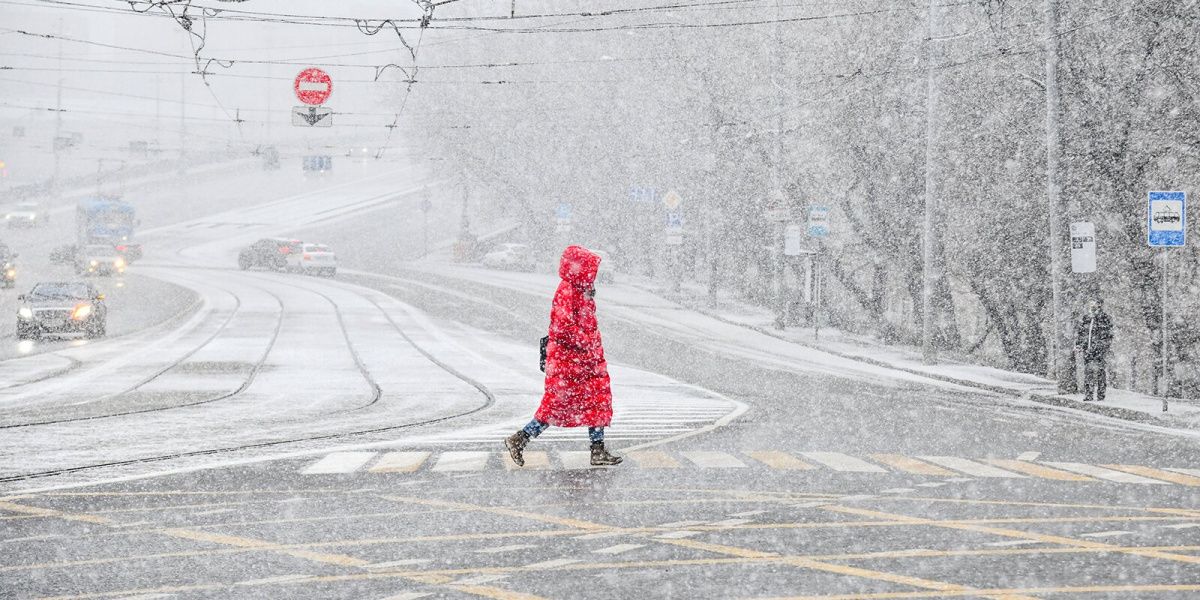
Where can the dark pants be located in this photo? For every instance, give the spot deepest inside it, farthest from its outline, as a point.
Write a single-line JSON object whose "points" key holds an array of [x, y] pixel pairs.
{"points": [[1095, 378]]}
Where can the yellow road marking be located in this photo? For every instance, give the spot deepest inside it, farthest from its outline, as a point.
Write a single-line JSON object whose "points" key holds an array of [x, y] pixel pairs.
{"points": [[533, 460], [507, 512], [1037, 470], [49, 512], [653, 459], [1014, 533], [912, 465], [1089, 589], [780, 460], [491, 592], [1179, 478], [808, 563]]}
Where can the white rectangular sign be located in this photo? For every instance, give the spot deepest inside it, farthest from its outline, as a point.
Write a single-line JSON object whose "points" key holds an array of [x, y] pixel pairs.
{"points": [[1083, 247]]}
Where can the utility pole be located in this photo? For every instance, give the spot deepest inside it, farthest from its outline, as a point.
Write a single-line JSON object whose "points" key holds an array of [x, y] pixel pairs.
{"points": [[928, 272], [1060, 346], [58, 112], [777, 228]]}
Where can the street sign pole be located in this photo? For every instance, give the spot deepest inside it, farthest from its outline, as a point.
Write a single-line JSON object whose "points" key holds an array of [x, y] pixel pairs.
{"points": [[1166, 228], [1165, 385]]}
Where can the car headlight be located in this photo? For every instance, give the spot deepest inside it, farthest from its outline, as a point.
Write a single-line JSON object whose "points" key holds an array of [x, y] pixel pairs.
{"points": [[81, 312], [25, 312], [95, 263], [119, 262], [11, 273]]}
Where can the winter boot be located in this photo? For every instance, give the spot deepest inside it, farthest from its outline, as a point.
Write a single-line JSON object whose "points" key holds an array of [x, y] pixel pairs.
{"points": [[516, 447], [601, 457]]}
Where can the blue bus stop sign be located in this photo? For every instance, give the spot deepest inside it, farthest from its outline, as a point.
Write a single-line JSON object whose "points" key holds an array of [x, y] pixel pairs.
{"points": [[1166, 219]]}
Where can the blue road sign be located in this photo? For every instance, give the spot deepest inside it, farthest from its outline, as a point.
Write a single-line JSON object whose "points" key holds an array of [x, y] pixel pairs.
{"points": [[642, 194], [818, 221], [674, 220], [563, 212], [1166, 219]]}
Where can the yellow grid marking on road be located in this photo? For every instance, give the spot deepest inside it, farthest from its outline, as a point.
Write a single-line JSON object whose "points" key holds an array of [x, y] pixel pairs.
{"points": [[1179, 478], [536, 460], [37, 511], [780, 460], [1002, 593], [508, 512], [1037, 470], [808, 563], [653, 459], [1017, 534], [912, 465], [399, 462]]}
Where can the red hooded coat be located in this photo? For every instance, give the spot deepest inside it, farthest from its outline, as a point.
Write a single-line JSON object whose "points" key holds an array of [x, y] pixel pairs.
{"points": [[577, 387]]}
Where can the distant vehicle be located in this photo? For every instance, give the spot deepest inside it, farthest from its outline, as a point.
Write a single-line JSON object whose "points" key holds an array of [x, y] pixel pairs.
{"points": [[64, 255], [104, 220], [607, 272], [8, 267], [62, 307], [129, 250], [313, 259], [359, 153], [99, 259], [510, 256], [268, 253], [26, 214]]}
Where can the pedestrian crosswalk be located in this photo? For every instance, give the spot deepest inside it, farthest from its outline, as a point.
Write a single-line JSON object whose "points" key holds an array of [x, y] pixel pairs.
{"points": [[648, 417], [936, 467]]}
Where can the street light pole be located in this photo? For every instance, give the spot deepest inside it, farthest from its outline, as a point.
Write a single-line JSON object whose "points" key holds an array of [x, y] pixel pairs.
{"points": [[1059, 345], [928, 275]]}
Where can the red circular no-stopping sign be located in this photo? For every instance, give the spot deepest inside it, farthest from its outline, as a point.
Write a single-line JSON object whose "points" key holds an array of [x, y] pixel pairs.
{"points": [[313, 86]]}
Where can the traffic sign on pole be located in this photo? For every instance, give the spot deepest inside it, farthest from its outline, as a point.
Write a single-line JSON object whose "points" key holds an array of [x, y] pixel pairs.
{"points": [[672, 200], [312, 116], [818, 221], [1083, 247], [1166, 219], [313, 86]]}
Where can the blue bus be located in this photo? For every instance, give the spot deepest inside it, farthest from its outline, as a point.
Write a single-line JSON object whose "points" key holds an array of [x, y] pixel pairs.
{"points": [[107, 220]]}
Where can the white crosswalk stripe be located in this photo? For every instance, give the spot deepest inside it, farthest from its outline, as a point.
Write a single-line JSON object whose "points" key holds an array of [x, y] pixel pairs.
{"points": [[843, 462], [713, 460], [460, 461], [1102, 473], [970, 467], [339, 462]]}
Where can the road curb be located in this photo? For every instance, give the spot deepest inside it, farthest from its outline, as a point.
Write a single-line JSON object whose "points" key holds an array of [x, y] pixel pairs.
{"points": [[1115, 412]]}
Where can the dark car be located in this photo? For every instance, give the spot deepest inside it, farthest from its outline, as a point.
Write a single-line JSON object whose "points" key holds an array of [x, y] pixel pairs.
{"points": [[57, 307], [268, 253]]}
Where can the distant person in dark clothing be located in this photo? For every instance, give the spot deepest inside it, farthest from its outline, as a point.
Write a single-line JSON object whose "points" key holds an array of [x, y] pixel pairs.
{"points": [[1093, 339]]}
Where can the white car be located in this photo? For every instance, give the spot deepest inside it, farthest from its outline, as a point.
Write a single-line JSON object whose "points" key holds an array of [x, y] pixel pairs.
{"points": [[99, 259], [313, 259], [509, 256], [26, 214]]}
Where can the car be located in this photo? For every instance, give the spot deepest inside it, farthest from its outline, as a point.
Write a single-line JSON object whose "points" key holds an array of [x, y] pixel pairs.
{"points": [[510, 256], [129, 250], [58, 307], [26, 214], [99, 259], [313, 259], [268, 253], [607, 272]]}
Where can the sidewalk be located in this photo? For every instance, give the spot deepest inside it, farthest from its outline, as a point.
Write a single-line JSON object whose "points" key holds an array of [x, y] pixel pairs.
{"points": [[1121, 404]]}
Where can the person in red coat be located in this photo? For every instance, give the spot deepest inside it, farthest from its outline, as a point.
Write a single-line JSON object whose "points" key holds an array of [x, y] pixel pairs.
{"points": [[577, 386]]}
